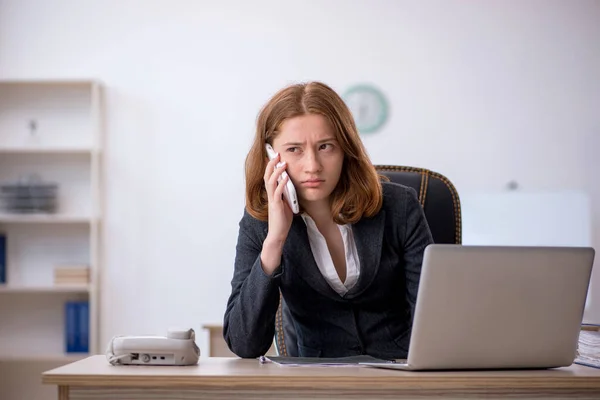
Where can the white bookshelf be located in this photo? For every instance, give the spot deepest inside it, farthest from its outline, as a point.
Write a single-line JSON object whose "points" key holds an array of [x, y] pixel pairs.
{"points": [[65, 151], [31, 289], [52, 129], [6, 218], [41, 358]]}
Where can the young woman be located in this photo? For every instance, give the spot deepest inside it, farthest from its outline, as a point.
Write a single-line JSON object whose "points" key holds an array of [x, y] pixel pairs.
{"points": [[348, 264]]}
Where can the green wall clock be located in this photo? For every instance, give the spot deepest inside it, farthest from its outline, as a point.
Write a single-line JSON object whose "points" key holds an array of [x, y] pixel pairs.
{"points": [[369, 107]]}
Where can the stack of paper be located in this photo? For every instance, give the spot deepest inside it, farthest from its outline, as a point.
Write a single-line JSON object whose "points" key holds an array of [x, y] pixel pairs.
{"points": [[72, 275], [323, 362], [588, 352]]}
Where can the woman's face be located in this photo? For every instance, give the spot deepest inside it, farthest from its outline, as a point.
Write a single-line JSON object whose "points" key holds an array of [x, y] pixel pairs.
{"points": [[314, 157]]}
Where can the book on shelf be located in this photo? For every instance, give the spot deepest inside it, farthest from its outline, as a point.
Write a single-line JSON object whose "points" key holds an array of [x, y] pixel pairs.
{"points": [[77, 327], [72, 275], [2, 258]]}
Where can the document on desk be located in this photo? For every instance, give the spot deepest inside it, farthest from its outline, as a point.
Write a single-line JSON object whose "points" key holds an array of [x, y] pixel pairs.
{"points": [[322, 362], [588, 350]]}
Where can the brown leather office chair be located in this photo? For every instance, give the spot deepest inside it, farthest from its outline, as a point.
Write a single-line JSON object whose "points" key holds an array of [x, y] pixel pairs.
{"points": [[441, 205]]}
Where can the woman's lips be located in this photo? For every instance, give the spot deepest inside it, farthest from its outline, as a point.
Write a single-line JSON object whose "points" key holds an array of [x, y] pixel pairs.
{"points": [[313, 183]]}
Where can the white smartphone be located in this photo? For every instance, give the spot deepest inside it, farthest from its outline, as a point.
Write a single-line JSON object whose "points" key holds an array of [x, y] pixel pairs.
{"points": [[289, 193]]}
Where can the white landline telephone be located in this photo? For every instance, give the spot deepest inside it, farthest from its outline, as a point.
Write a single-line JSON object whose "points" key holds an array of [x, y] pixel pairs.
{"points": [[177, 348]]}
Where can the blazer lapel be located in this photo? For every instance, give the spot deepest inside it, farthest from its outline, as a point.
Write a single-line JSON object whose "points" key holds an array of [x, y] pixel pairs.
{"points": [[299, 254], [368, 236]]}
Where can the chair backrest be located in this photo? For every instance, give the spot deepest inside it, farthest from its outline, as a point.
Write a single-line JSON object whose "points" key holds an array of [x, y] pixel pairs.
{"points": [[441, 205]]}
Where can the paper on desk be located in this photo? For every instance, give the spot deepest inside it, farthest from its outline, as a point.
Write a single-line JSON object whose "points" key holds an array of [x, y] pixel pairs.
{"points": [[588, 351], [323, 362]]}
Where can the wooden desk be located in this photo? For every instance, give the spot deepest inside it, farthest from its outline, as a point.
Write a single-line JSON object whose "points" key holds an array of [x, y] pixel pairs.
{"points": [[218, 346], [223, 378]]}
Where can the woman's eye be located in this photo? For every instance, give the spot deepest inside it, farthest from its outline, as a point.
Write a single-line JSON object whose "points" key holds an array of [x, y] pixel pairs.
{"points": [[325, 146], [292, 149]]}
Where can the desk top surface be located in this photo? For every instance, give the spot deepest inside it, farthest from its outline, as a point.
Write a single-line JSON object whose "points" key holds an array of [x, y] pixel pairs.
{"points": [[249, 373]]}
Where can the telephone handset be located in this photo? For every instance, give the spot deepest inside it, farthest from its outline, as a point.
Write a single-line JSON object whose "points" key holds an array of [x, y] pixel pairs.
{"points": [[177, 348], [289, 193]]}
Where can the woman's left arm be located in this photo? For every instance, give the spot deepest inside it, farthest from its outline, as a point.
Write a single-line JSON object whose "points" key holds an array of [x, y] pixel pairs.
{"points": [[417, 236]]}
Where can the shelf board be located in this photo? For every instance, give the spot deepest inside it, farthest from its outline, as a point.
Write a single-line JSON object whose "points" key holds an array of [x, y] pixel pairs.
{"points": [[5, 288], [67, 358], [44, 219], [46, 150], [51, 82]]}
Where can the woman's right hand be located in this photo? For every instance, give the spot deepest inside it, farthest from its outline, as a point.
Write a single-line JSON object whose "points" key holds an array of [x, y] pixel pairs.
{"points": [[280, 216]]}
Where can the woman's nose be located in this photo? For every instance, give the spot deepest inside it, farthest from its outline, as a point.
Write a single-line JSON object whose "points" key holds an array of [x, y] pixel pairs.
{"points": [[312, 163]]}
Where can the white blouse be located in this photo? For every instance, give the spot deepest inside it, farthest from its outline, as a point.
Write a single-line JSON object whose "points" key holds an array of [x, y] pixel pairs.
{"points": [[322, 256]]}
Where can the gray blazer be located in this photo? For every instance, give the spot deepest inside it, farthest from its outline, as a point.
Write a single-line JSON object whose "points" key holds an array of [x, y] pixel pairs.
{"points": [[373, 318]]}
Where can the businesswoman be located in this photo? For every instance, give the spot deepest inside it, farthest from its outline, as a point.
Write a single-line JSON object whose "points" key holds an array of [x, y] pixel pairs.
{"points": [[348, 264]]}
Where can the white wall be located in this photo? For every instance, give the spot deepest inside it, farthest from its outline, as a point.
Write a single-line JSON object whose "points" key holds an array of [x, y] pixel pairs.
{"points": [[483, 92]]}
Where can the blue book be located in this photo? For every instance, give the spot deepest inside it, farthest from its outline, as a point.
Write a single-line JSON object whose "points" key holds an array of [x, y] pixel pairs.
{"points": [[2, 258], [71, 327], [83, 327]]}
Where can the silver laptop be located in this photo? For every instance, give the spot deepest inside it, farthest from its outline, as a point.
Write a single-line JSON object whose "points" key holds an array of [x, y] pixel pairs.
{"points": [[482, 307]]}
